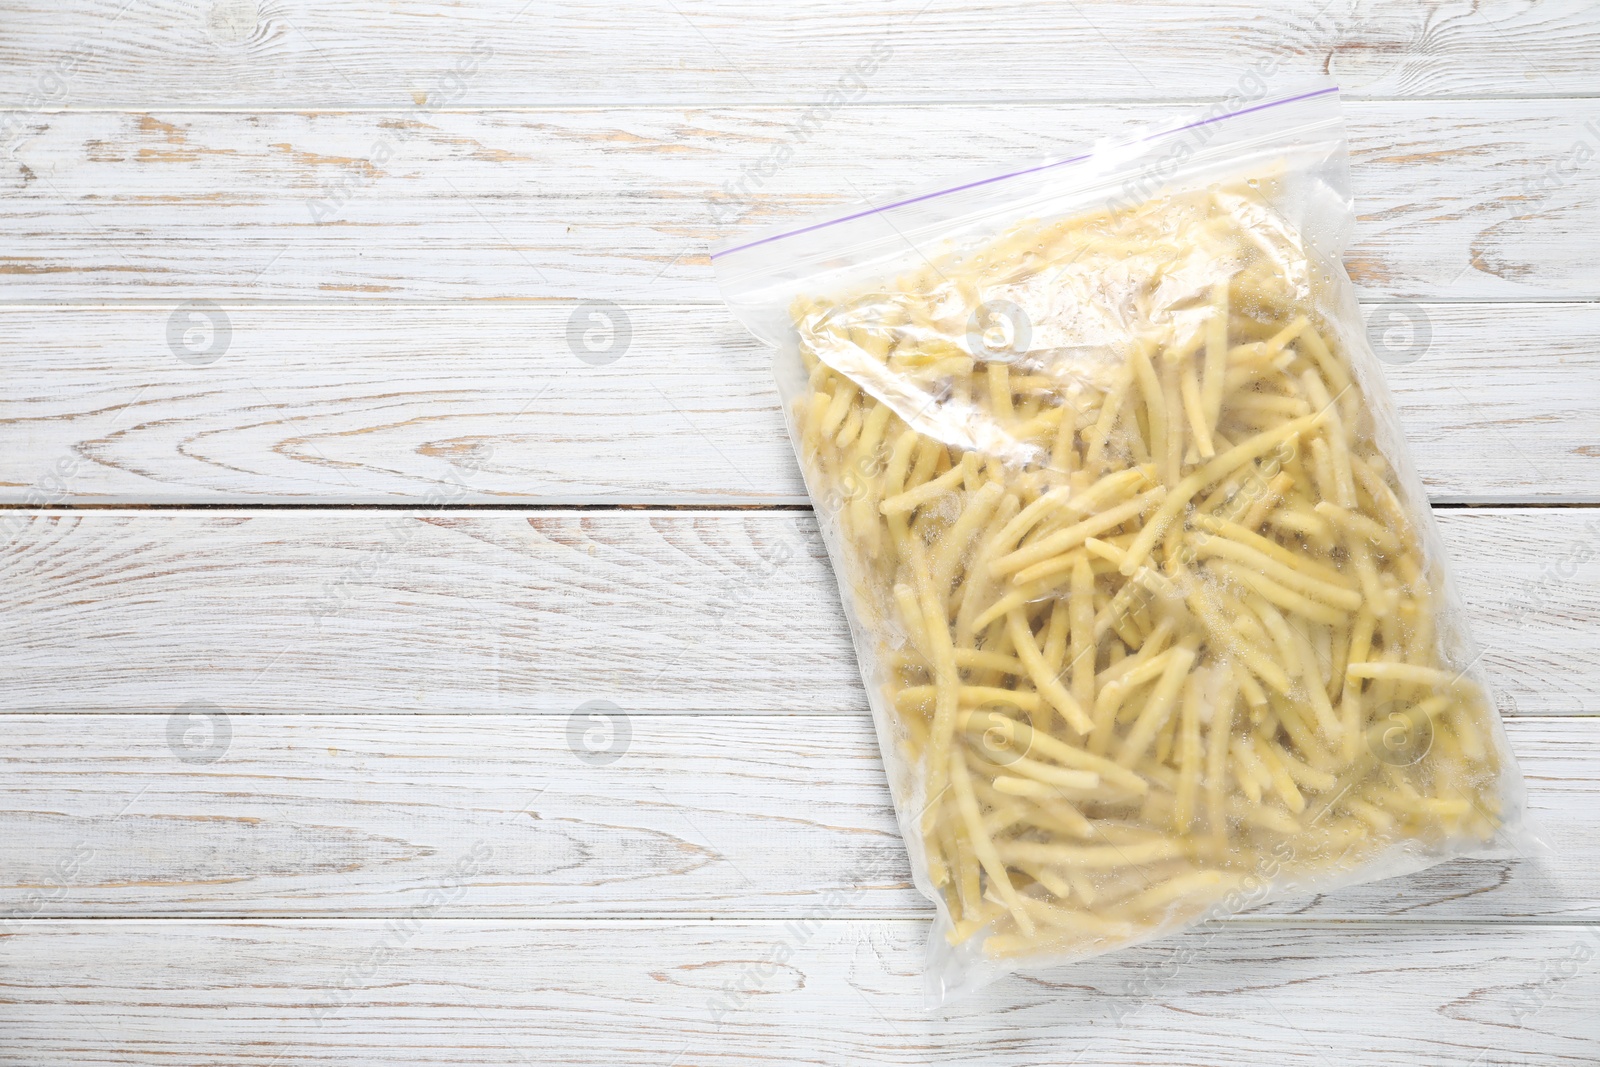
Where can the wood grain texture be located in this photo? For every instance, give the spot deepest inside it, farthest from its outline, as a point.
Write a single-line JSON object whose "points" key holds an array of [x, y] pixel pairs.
{"points": [[229, 994], [723, 815], [482, 404], [348, 610], [1459, 200], [296, 53], [398, 204]]}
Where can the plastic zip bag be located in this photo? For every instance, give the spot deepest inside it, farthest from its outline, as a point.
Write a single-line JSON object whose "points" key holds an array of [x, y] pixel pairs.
{"points": [[1150, 606]]}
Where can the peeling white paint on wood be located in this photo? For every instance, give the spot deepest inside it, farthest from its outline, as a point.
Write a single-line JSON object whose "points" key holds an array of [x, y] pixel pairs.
{"points": [[489, 404], [302, 54], [1456, 199], [696, 816], [484, 611], [677, 991]]}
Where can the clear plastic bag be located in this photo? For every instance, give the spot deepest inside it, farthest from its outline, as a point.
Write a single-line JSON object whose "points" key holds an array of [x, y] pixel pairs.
{"points": [[1150, 606]]}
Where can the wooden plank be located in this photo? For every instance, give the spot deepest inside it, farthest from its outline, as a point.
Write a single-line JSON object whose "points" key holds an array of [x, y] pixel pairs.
{"points": [[209, 994], [1459, 200], [312, 611], [480, 404], [294, 53], [777, 817]]}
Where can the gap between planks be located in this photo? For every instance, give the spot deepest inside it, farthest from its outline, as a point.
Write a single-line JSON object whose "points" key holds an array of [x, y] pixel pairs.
{"points": [[795, 104], [492, 304], [245, 510]]}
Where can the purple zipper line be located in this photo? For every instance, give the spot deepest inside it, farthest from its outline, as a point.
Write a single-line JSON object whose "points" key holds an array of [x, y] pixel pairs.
{"points": [[1014, 174]]}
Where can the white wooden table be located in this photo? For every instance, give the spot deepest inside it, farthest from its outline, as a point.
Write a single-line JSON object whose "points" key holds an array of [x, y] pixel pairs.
{"points": [[319, 531]]}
